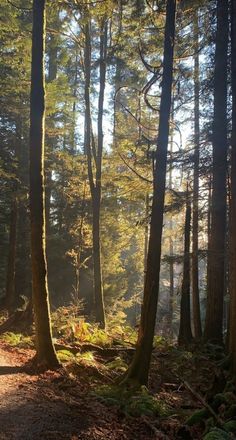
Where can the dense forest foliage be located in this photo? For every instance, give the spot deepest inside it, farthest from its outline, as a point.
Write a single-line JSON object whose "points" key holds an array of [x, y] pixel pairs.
{"points": [[117, 171]]}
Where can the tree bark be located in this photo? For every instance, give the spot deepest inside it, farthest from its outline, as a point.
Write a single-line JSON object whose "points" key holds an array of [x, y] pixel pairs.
{"points": [[171, 244], [215, 290], [195, 275], [185, 332], [232, 318], [45, 353], [10, 299], [95, 155], [139, 368]]}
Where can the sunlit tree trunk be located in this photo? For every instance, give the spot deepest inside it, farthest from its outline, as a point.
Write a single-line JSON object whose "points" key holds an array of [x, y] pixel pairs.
{"points": [[139, 368], [45, 353], [94, 156], [51, 142], [215, 290]]}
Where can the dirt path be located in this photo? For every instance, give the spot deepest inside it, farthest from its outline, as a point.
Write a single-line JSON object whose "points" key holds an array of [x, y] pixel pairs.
{"points": [[53, 407], [27, 408]]}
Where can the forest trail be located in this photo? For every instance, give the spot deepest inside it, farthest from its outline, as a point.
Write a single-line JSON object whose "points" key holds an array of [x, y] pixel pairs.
{"points": [[25, 411], [52, 406]]}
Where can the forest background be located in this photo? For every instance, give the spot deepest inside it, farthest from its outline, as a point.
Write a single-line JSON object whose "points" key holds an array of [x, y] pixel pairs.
{"points": [[104, 68]]}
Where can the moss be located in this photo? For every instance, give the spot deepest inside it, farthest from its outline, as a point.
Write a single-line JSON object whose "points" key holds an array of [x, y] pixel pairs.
{"points": [[231, 411], [230, 397], [117, 364], [218, 400], [217, 434], [133, 402], [197, 417], [65, 356], [230, 426], [17, 340], [229, 386]]}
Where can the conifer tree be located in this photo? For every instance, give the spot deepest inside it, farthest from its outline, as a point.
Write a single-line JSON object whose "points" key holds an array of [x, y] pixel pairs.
{"points": [[216, 271], [139, 368], [45, 353]]}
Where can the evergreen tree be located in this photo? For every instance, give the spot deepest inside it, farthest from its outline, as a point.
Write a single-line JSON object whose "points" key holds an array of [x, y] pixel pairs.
{"points": [[46, 355]]}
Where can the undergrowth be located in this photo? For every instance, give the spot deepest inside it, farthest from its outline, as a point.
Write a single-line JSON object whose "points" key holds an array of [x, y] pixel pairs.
{"points": [[70, 326], [132, 402], [17, 340]]}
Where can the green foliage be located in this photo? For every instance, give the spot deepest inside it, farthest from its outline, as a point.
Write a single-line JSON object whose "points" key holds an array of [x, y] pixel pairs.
{"points": [[130, 402], [117, 364], [73, 328], [197, 417], [217, 434], [161, 342], [86, 358], [65, 356], [230, 426], [215, 351], [17, 340], [231, 411]]}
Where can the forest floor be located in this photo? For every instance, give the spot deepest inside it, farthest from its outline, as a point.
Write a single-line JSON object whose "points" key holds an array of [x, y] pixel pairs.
{"points": [[62, 405]]}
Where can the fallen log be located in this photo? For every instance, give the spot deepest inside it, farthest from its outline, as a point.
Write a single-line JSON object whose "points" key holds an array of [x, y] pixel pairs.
{"points": [[102, 351]]}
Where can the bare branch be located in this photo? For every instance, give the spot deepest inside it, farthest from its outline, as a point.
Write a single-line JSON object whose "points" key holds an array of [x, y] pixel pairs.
{"points": [[145, 179], [19, 7]]}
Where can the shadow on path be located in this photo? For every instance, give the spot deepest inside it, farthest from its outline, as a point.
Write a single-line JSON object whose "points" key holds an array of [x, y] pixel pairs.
{"points": [[4, 370]]}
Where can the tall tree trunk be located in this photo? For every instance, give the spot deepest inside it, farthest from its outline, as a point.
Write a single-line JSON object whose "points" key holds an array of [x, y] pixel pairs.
{"points": [[139, 368], [185, 332], [232, 319], [195, 275], [171, 246], [23, 276], [146, 233], [51, 142], [10, 299], [215, 290], [99, 303], [95, 154], [46, 355]]}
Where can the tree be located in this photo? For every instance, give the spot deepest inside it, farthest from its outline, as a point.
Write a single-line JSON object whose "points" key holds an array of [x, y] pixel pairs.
{"points": [[195, 271], [216, 281], [185, 332], [94, 154], [232, 318], [44, 346], [139, 368], [10, 284]]}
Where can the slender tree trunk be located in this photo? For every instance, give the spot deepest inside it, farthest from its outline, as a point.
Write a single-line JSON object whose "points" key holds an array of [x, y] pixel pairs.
{"points": [[10, 299], [146, 233], [185, 332], [171, 246], [232, 319], [139, 368], [195, 275], [23, 276], [95, 154], [23, 265], [215, 291], [99, 302], [46, 355], [52, 74]]}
